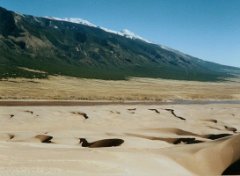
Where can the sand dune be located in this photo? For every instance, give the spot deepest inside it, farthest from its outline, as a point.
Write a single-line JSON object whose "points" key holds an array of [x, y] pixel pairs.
{"points": [[120, 140], [210, 158]]}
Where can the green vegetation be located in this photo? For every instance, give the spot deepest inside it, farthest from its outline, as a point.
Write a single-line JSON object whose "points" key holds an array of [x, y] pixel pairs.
{"points": [[63, 48]]}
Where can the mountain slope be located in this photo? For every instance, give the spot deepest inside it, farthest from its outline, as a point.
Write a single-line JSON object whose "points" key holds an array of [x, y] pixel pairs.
{"points": [[63, 48]]}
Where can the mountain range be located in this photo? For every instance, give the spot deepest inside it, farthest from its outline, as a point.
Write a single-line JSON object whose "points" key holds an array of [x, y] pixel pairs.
{"points": [[36, 47]]}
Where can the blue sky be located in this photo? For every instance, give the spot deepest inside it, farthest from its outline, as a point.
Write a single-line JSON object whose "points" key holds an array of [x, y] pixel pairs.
{"points": [[208, 29]]}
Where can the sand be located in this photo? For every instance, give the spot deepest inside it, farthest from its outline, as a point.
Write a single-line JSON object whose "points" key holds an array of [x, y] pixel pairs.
{"points": [[122, 139]]}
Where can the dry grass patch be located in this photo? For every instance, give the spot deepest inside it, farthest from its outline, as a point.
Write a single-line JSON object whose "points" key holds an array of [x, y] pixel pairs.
{"points": [[69, 88]]}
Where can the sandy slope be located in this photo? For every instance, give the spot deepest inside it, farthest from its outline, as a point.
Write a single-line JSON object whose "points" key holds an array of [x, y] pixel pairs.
{"points": [[155, 139]]}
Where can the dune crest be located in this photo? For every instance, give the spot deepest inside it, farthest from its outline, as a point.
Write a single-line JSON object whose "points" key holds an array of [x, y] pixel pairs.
{"points": [[209, 158]]}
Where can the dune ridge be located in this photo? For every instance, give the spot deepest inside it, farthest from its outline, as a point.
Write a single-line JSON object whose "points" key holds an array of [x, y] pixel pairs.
{"points": [[209, 158]]}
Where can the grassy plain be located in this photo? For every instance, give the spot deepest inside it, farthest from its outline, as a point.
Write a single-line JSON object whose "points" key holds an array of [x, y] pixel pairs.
{"points": [[138, 89]]}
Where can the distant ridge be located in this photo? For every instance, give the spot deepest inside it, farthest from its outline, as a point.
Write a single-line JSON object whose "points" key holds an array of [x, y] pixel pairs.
{"points": [[75, 47]]}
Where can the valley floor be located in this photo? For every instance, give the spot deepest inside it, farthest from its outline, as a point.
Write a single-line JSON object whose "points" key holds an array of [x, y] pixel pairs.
{"points": [[138, 89]]}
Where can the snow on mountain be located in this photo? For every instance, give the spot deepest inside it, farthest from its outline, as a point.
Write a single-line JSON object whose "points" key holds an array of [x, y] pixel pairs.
{"points": [[110, 31], [131, 35], [125, 32], [74, 20]]}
